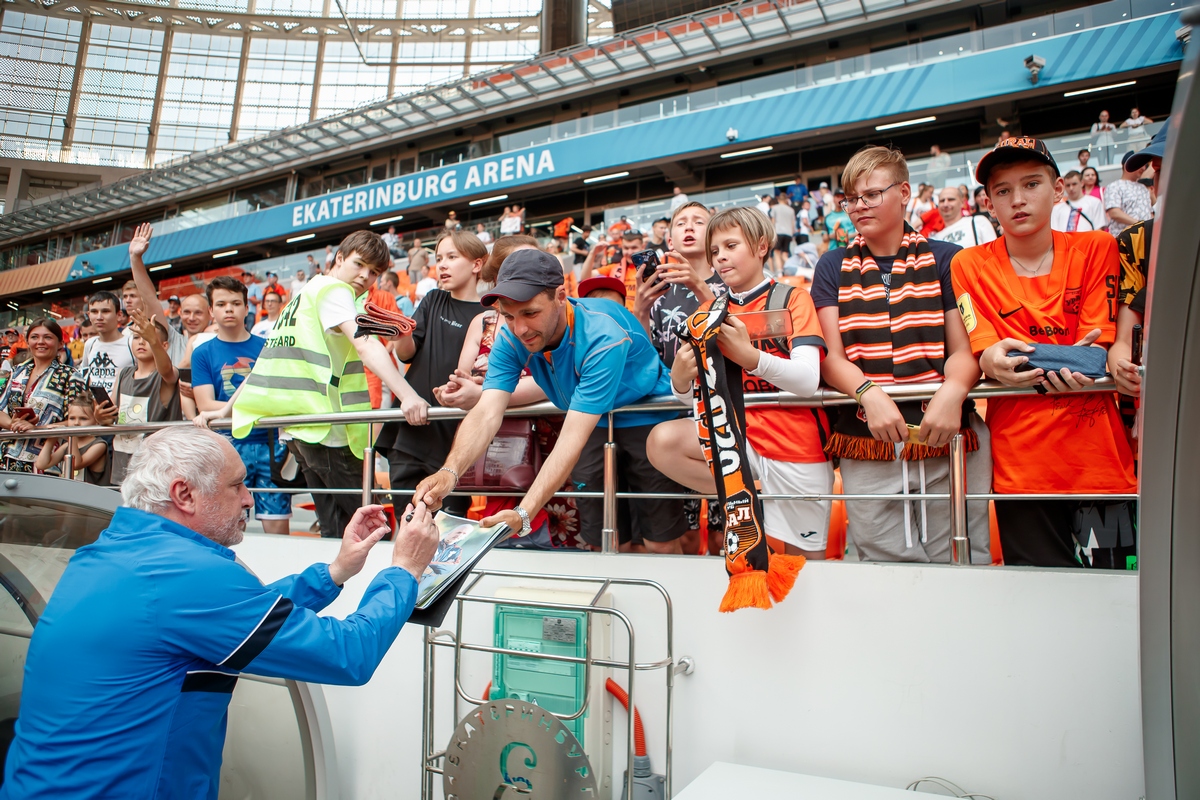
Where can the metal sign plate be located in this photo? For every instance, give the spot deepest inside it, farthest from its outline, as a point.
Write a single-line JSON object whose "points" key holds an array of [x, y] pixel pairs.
{"points": [[509, 749]]}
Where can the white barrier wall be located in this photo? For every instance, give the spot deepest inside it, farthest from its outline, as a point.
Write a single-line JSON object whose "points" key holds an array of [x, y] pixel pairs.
{"points": [[1020, 684]]}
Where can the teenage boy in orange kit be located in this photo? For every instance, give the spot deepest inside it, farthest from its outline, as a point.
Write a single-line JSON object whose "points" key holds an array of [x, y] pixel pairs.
{"points": [[1042, 286]]}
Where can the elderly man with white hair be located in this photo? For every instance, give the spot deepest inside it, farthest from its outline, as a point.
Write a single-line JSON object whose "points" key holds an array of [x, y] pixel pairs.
{"points": [[131, 667]]}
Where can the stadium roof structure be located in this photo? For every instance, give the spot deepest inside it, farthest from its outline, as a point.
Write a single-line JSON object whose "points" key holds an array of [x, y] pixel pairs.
{"points": [[676, 44]]}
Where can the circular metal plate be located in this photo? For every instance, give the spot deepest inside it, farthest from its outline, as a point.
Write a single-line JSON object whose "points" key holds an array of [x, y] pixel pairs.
{"points": [[510, 749]]}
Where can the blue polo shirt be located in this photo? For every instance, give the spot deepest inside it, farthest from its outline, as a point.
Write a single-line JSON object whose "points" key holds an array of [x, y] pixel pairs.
{"points": [[604, 361]]}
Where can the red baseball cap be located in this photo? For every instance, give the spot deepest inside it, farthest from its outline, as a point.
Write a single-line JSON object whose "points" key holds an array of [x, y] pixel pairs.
{"points": [[601, 282]]}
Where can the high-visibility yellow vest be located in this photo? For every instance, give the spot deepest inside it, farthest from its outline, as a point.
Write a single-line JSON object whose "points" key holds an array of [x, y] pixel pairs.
{"points": [[304, 370]]}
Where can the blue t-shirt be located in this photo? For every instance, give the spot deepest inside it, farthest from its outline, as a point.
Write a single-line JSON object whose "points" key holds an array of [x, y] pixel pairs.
{"points": [[223, 366], [797, 192], [604, 361]]}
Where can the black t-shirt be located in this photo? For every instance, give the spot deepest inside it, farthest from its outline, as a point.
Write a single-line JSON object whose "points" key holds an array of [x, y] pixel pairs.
{"points": [[442, 324], [670, 312], [824, 288], [581, 244]]}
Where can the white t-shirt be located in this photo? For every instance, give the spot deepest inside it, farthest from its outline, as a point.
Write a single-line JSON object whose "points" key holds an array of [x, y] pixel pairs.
{"points": [[262, 328], [784, 218], [297, 285], [425, 286], [510, 224], [484, 237], [763, 206], [1070, 216], [967, 232], [103, 360], [337, 307], [678, 200]]}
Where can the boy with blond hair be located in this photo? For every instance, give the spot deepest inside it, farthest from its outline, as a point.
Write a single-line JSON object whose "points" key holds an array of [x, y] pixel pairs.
{"points": [[1037, 285], [785, 445], [887, 312]]}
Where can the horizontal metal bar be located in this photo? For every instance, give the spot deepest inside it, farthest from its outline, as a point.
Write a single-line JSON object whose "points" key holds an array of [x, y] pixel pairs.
{"points": [[695, 496], [823, 397], [599, 662]]}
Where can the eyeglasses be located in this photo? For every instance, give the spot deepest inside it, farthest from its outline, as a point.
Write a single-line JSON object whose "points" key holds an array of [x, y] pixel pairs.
{"points": [[870, 199]]}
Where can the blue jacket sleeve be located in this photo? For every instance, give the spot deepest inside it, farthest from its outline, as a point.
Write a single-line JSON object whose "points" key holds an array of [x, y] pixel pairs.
{"points": [[221, 613], [312, 589]]}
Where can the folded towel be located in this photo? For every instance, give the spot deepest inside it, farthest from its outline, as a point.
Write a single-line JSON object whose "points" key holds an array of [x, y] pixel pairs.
{"points": [[383, 322]]}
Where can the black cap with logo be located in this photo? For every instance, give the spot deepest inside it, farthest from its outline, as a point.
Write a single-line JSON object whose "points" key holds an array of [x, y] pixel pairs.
{"points": [[523, 274], [1012, 150]]}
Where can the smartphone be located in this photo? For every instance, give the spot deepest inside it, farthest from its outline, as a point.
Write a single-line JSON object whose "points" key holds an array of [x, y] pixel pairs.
{"points": [[26, 413], [767, 324], [101, 396], [650, 259], [185, 374], [1135, 355]]}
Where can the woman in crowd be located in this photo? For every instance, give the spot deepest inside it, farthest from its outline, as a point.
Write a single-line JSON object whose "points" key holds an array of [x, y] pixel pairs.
{"points": [[37, 396], [921, 204], [1091, 183]]}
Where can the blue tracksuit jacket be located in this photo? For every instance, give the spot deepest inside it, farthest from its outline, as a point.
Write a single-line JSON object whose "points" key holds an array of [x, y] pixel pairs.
{"points": [[130, 669]]}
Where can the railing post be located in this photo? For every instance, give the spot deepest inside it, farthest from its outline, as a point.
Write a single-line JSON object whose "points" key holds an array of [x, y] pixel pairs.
{"points": [[960, 544], [68, 466], [368, 480], [609, 542]]}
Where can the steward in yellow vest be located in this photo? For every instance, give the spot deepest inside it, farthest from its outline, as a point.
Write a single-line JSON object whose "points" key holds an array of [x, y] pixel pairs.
{"points": [[313, 364]]}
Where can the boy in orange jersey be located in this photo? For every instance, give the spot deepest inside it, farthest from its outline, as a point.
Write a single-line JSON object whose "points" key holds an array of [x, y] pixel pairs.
{"points": [[1038, 285], [786, 445]]}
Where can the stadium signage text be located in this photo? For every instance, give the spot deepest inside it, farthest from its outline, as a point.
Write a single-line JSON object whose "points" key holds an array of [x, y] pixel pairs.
{"points": [[445, 183]]}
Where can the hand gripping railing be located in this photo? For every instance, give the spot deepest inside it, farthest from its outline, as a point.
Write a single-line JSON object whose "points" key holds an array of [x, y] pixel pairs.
{"points": [[957, 496]]}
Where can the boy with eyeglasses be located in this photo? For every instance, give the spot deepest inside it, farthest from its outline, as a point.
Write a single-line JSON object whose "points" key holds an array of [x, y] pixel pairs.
{"points": [[888, 316]]}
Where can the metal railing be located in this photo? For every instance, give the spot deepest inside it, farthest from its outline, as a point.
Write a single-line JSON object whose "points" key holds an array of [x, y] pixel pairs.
{"points": [[958, 496]]}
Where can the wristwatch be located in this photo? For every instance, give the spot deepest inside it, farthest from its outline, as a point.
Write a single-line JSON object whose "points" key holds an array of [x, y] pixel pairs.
{"points": [[526, 528]]}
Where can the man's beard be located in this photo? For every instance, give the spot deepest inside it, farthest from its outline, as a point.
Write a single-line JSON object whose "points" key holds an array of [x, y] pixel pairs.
{"points": [[230, 532]]}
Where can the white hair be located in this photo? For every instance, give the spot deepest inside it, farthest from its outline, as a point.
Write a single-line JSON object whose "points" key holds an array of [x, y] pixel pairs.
{"points": [[183, 452]]}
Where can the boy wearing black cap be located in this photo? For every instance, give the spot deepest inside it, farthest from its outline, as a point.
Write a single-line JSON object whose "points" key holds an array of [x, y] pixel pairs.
{"points": [[589, 356], [1038, 285]]}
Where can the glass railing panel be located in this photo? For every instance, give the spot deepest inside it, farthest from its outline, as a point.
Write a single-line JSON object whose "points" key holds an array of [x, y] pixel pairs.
{"points": [[763, 21], [840, 9]]}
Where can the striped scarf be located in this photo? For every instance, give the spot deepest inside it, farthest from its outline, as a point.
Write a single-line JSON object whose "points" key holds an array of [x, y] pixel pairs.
{"points": [[757, 576], [894, 334]]}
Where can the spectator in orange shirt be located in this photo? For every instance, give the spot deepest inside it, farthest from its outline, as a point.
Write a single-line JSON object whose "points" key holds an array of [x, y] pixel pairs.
{"points": [[1039, 285], [785, 445]]}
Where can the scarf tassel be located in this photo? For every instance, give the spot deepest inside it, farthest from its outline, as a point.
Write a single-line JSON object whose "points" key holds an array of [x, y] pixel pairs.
{"points": [[861, 448], [782, 573], [747, 589]]}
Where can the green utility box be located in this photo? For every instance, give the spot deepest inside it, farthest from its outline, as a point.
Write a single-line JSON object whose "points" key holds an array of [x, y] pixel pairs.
{"points": [[556, 686]]}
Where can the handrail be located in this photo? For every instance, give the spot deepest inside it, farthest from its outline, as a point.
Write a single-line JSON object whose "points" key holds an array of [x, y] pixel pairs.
{"points": [[822, 398]]}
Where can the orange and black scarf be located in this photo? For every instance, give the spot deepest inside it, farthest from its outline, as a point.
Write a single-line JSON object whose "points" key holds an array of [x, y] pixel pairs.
{"points": [[895, 334], [756, 575]]}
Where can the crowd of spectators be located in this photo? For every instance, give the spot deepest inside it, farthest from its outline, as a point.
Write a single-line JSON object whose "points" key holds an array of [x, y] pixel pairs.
{"points": [[882, 282]]}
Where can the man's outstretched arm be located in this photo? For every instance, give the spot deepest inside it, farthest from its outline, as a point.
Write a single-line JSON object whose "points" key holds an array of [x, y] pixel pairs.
{"points": [[475, 433], [576, 429]]}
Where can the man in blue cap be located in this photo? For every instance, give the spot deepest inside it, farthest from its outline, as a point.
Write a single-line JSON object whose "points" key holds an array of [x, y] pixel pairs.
{"points": [[589, 356], [1133, 245]]}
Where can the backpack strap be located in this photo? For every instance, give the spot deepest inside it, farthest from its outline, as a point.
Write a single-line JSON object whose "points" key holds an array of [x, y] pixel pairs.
{"points": [[777, 300]]}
